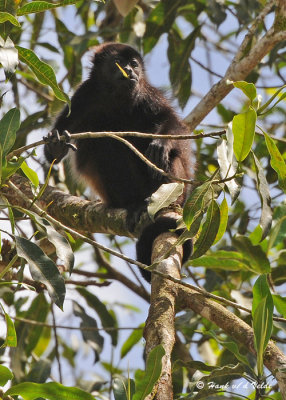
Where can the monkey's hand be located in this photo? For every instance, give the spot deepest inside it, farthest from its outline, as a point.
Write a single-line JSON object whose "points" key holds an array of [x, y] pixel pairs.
{"points": [[55, 149], [158, 153]]}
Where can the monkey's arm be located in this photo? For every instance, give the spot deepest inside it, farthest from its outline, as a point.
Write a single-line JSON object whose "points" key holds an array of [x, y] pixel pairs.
{"points": [[162, 152]]}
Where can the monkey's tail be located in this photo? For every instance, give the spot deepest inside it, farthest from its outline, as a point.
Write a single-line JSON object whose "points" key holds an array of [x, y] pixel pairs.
{"points": [[149, 234]]}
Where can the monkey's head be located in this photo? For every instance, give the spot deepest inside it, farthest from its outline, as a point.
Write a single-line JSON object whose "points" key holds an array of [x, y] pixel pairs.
{"points": [[118, 67]]}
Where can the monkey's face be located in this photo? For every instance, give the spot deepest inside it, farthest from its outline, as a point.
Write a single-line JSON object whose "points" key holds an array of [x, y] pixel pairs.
{"points": [[119, 67]]}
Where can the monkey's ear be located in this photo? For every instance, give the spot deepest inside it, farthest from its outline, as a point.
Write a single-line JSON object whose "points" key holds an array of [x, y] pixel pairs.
{"points": [[124, 73]]}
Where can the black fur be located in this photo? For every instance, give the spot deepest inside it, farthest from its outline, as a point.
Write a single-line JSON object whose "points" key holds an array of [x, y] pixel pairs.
{"points": [[110, 101]]}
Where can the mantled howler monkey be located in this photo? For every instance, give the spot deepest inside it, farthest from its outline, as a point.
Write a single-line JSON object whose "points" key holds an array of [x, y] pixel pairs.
{"points": [[118, 97]]}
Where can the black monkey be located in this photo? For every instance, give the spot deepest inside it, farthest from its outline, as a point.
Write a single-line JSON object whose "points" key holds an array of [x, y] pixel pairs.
{"points": [[118, 97]]}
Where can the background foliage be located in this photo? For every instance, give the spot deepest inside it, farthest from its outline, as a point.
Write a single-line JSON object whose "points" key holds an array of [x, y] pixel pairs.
{"points": [[239, 224]]}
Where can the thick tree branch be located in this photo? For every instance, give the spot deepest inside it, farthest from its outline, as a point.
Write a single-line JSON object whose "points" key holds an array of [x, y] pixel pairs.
{"points": [[239, 330], [242, 63], [160, 324]]}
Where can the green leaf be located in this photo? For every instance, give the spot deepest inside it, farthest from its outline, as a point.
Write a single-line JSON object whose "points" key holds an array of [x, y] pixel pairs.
{"points": [[277, 234], [159, 21], [131, 341], [92, 337], [194, 206], [262, 312], [221, 259], [107, 319], [5, 16], [255, 256], [152, 374], [280, 304], [209, 230], [262, 108], [123, 388], [227, 163], [264, 193], [44, 72], [243, 126], [11, 337], [247, 88], [11, 167], [179, 52], [40, 6], [277, 162], [5, 375], [50, 391], [223, 220], [42, 269], [232, 347], [29, 335], [9, 125], [164, 196], [30, 174], [40, 371], [62, 245]]}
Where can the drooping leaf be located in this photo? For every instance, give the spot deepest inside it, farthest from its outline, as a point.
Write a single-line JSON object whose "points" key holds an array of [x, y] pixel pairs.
{"points": [[131, 341], [228, 163], [223, 209], [11, 337], [194, 206], [123, 388], [164, 196], [107, 319], [209, 230], [62, 245], [42, 269], [43, 71], [221, 259], [152, 374], [264, 193], [247, 88], [262, 312], [9, 125], [243, 126], [5, 375], [50, 391], [92, 337], [277, 162], [253, 254], [179, 52]]}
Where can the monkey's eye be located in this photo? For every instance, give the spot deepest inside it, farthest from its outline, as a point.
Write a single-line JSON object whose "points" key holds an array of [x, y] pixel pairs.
{"points": [[134, 63]]}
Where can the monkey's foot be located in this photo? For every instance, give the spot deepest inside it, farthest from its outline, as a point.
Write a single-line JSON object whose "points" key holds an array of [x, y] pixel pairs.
{"points": [[54, 137], [55, 148]]}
